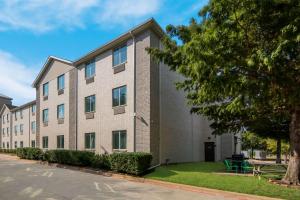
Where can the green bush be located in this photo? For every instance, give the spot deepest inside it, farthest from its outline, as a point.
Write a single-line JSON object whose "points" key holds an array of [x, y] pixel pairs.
{"points": [[101, 161], [11, 151], [69, 157], [130, 163], [29, 153]]}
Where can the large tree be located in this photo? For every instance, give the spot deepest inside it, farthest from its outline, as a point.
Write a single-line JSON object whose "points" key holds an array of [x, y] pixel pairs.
{"points": [[240, 56]]}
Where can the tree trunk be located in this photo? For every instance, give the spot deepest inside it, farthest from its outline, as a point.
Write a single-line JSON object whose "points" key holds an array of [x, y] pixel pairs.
{"points": [[293, 171], [278, 151], [251, 152]]}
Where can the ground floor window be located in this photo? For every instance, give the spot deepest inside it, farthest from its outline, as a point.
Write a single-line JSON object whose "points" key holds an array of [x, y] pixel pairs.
{"points": [[21, 144], [45, 142], [7, 145], [119, 140], [33, 143], [60, 142], [3, 145], [90, 140], [16, 144]]}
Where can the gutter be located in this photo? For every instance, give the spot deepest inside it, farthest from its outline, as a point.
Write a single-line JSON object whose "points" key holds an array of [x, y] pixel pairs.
{"points": [[134, 92]]}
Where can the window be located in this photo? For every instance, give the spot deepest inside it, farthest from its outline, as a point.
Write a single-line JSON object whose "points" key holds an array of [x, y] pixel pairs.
{"points": [[120, 55], [3, 120], [60, 141], [21, 128], [61, 111], [45, 115], [7, 131], [21, 114], [45, 142], [90, 140], [90, 69], [33, 143], [16, 117], [61, 82], [21, 144], [3, 132], [119, 96], [33, 126], [7, 118], [33, 108], [3, 145], [7, 145], [90, 103], [16, 129], [119, 140], [16, 144], [46, 89]]}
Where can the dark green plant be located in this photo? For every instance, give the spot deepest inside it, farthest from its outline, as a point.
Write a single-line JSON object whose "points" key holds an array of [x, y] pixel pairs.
{"points": [[101, 161]]}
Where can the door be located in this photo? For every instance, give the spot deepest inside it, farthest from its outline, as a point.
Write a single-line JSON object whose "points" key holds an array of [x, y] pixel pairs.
{"points": [[209, 151]]}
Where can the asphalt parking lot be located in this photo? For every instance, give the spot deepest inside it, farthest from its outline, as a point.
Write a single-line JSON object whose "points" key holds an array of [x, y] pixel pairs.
{"points": [[23, 180]]}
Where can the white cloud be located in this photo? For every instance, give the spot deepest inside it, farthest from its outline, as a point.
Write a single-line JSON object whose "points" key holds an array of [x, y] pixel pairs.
{"points": [[16, 79], [46, 15]]}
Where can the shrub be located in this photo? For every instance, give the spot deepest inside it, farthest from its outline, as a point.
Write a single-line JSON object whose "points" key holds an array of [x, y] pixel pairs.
{"points": [[101, 161], [69, 157], [130, 163], [12, 151], [29, 153]]}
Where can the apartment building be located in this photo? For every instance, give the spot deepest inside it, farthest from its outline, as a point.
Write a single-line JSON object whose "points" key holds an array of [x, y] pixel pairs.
{"points": [[18, 126], [117, 99]]}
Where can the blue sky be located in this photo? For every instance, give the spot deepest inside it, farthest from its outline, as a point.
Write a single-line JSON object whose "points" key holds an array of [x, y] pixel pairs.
{"points": [[32, 30]]}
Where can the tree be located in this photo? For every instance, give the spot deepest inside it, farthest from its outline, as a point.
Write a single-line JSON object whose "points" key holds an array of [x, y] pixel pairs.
{"points": [[272, 147], [241, 56], [252, 141]]}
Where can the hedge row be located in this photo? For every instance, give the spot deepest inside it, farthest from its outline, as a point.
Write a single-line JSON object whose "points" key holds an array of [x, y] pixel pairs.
{"points": [[12, 151], [131, 163]]}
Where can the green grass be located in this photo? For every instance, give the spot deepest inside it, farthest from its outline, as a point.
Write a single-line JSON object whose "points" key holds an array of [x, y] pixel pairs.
{"points": [[204, 175]]}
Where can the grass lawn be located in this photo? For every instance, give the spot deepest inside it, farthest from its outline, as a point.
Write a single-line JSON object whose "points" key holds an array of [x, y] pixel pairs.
{"points": [[203, 174]]}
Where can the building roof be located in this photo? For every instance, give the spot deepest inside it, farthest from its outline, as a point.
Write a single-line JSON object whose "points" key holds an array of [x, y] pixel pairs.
{"points": [[49, 60], [10, 107], [5, 97], [24, 106], [148, 24]]}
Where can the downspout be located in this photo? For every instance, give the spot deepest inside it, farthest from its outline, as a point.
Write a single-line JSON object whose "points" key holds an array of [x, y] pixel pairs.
{"points": [[76, 110], [134, 92]]}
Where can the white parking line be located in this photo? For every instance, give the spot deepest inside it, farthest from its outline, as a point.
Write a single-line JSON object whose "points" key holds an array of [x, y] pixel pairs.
{"points": [[110, 188], [97, 186]]}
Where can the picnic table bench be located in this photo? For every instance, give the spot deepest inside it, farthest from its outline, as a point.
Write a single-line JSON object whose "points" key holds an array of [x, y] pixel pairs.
{"points": [[258, 168]]}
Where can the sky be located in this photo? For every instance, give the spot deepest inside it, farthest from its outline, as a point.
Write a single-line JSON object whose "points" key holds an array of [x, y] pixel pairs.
{"points": [[32, 30]]}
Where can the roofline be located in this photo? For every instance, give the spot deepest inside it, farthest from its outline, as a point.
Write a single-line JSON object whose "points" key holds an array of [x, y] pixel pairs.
{"points": [[3, 107], [150, 23], [24, 105], [6, 98], [48, 61]]}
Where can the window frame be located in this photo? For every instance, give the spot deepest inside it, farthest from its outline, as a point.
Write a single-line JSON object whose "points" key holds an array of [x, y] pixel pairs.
{"points": [[92, 143], [119, 96], [89, 65], [119, 132], [21, 144], [33, 130], [33, 109], [44, 91], [44, 115], [33, 142], [60, 143], [118, 49], [57, 112], [85, 106], [44, 140], [63, 82]]}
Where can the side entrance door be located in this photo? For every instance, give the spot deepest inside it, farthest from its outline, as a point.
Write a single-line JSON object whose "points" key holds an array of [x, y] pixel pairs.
{"points": [[209, 151]]}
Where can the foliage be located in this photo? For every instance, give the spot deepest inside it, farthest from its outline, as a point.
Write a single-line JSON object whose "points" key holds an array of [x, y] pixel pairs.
{"points": [[253, 141], [11, 151], [205, 174], [130, 163], [30, 153], [101, 161], [69, 157], [272, 146]]}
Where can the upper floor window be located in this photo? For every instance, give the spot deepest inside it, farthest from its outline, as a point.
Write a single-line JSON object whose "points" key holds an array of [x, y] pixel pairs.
{"points": [[90, 103], [90, 140], [3, 119], [120, 55], [90, 69], [16, 129], [61, 111], [46, 89], [119, 96], [21, 128], [7, 131], [119, 140], [45, 115], [33, 108], [16, 115], [33, 126], [3, 132], [7, 118], [21, 114], [61, 82]]}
